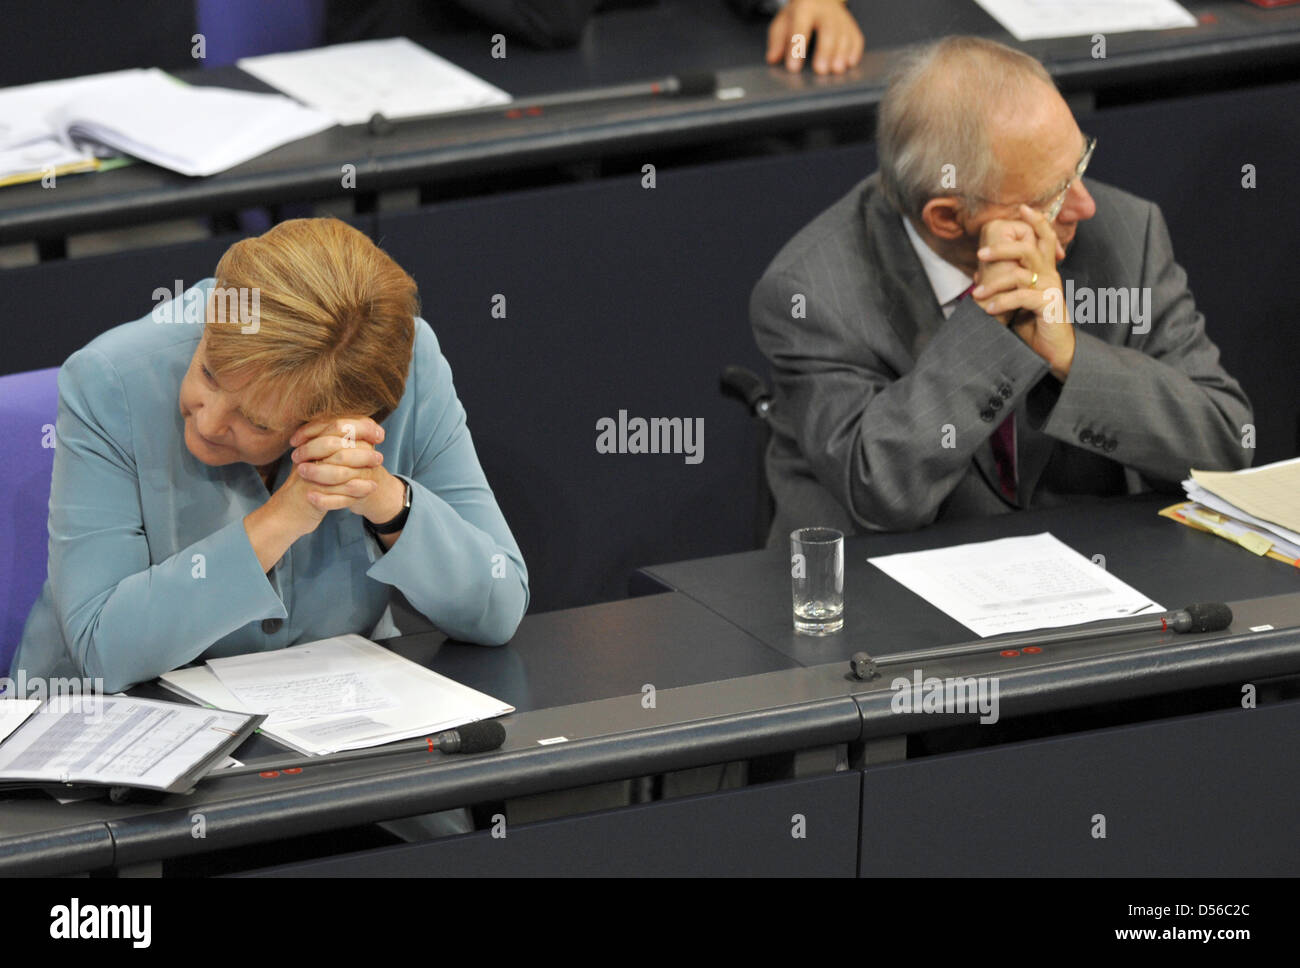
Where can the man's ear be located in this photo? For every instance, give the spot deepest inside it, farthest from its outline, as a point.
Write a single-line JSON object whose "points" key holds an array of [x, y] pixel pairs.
{"points": [[942, 216]]}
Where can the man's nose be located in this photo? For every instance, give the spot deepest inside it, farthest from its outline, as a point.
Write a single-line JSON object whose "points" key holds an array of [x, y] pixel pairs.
{"points": [[1079, 205]]}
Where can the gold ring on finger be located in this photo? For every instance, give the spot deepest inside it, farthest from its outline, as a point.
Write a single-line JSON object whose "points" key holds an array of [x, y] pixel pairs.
{"points": [[1033, 283]]}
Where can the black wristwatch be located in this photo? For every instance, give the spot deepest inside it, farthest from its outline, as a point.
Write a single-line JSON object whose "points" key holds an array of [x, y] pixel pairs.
{"points": [[397, 523]]}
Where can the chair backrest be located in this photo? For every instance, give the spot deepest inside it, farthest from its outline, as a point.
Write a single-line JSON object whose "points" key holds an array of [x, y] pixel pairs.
{"points": [[29, 404], [245, 28], [745, 386]]}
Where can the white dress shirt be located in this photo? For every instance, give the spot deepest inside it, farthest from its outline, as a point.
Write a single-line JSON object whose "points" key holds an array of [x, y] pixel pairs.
{"points": [[947, 281]]}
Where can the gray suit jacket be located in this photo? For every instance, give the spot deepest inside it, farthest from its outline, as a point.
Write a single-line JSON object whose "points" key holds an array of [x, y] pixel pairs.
{"points": [[883, 409]]}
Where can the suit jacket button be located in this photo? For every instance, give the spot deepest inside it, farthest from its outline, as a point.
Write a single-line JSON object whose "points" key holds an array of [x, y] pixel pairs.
{"points": [[271, 625], [1110, 445], [995, 403], [986, 415], [1005, 390], [1085, 436]]}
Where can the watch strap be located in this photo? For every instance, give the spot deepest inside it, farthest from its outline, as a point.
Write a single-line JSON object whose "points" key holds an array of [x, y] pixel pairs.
{"points": [[396, 523]]}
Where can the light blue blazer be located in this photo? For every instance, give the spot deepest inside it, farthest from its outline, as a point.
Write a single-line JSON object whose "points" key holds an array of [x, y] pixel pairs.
{"points": [[149, 564]]}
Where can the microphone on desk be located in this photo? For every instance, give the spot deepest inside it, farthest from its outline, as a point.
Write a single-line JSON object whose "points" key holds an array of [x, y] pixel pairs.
{"points": [[1203, 617], [480, 737], [675, 85]]}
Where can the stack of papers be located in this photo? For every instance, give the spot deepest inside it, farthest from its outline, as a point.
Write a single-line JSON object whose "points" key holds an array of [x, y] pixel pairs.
{"points": [[115, 740], [1015, 584], [1258, 508], [337, 694], [29, 144], [1038, 19], [66, 125], [395, 78]]}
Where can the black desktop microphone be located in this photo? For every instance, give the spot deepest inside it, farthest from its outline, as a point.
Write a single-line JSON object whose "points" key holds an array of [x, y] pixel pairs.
{"points": [[675, 85], [1203, 617], [478, 737]]}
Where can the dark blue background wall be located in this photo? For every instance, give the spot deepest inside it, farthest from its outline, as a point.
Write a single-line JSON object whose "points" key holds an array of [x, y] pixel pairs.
{"points": [[619, 297]]}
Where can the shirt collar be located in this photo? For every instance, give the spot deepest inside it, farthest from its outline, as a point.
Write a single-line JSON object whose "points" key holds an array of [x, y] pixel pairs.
{"points": [[947, 281]]}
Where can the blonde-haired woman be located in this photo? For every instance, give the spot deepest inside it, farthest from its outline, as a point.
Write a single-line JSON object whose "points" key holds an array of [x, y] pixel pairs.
{"points": [[265, 475]]}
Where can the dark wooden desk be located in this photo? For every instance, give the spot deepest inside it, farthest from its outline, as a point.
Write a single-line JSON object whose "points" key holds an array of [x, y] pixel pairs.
{"points": [[674, 36], [1169, 562], [1153, 721]]}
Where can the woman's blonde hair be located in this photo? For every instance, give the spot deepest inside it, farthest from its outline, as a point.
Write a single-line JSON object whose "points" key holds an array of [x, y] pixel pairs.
{"points": [[333, 327]]}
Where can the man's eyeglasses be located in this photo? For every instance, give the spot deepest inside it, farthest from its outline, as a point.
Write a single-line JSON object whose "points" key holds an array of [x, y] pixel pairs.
{"points": [[1055, 208], [1058, 200]]}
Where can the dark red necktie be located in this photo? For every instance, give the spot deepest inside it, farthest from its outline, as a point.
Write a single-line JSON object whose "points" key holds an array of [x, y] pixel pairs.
{"points": [[1004, 452], [1003, 442]]}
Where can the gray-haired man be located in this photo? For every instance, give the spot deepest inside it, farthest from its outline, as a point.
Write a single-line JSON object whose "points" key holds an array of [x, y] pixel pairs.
{"points": [[931, 358]]}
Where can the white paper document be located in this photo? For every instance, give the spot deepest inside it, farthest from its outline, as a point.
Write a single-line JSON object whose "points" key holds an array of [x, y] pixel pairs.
{"points": [[336, 694], [42, 156], [29, 140], [192, 130], [150, 115], [25, 110], [14, 712], [1037, 19], [115, 740], [306, 682], [1015, 584], [396, 78]]}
